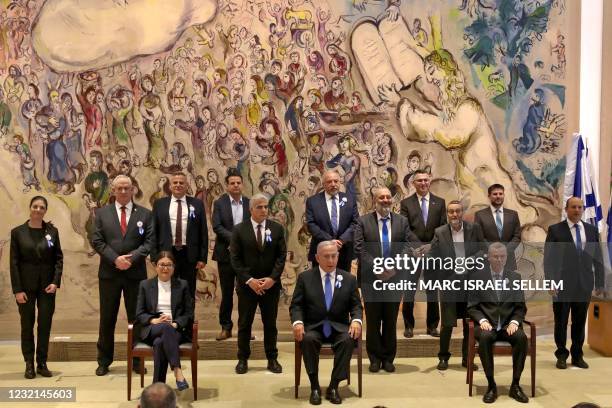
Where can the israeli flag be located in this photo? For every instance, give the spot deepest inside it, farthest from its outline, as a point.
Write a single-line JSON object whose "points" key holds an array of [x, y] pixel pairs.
{"points": [[580, 182]]}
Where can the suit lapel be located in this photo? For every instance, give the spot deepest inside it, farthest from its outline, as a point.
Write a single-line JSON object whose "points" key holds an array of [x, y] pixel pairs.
{"points": [[449, 237], [324, 208], [113, 213], [317, 285], [133, 219], [174, 297], [153, 295], [416, 209], [189, 202], [245, 209]]}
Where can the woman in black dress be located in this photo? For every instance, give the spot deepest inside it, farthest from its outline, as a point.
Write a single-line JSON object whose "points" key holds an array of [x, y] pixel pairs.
{"points": [[36, 270]]}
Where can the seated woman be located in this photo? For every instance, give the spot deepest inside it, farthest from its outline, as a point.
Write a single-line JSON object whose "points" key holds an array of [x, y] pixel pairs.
{"points": [[165, 312]]}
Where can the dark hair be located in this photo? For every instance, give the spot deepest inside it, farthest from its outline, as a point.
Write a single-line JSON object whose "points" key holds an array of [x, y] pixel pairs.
{"points": [[568, 200], [158, 395], [165, 254], [232, 172], [422, 171], [495, 186], [454, 202], [585, 405], [36, 198]]}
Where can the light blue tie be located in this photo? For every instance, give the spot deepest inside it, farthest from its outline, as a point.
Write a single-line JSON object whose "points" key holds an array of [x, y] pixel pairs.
{"points": [[334, 215], [327, 329], [385, 237], [498, 222], [424, 209], [578, 239]]}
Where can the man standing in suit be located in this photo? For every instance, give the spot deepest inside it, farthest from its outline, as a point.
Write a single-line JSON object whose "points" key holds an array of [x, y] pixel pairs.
{"points": [[393, 233], [458, 240], [123, 237], [258, 252], [425, 213], [180, 228], [572, 253], [498, 316], [331, 216], [500, 224], [326, 308], [229, 210]]}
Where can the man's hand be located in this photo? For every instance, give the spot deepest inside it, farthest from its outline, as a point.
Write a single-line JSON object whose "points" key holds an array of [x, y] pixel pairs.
{"points": [[123, 262], [298, 332], [389, 95], [164, 318], [422, 250], [553, 292], [21, 297], [51, 288], [338, 244], [387, 274], [267, 283], [512, 328], [200, 265], [256, 286], [599, 292], [486, 326], [355, 330]]}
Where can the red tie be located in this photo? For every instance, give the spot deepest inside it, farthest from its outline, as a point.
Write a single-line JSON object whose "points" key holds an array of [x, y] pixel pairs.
{"points": [[123, 221], [259, 239], [178, 235]]}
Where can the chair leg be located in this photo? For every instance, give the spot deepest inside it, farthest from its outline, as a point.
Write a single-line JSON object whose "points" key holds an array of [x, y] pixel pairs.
{"points": [[129, 376], [348, 376], [470, 370], [533, 372], [359, 375], [194, 374], [141, 372], [298, 368]]}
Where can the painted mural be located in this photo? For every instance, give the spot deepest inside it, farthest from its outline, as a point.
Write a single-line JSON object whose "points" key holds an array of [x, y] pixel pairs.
{"points": [[472, 90]]}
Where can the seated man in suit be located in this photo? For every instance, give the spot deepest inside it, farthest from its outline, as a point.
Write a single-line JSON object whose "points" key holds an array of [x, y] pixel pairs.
{"points": [[498, 316], [323, 300]]}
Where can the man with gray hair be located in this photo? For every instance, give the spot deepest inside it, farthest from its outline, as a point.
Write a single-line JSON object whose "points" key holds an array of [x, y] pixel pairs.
{"points": [[257, 252], [157, 395]]}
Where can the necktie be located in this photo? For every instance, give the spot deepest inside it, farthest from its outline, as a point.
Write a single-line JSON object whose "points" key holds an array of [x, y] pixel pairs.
{"points": [[498, 222], [334, 215], [178, 236], [498, 277], [385, 237], [327, 330], [123, 221], [424, 209], [259, 238], [578, 239]]}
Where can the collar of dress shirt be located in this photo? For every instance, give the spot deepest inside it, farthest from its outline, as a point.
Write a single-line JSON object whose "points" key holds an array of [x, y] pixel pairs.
{"points": [[164, 284], [128, 206], [255, 224], [323, 273], [420, 197], [328, 196], [571, 224], [493, 272], [453, 230], [232, 201], [380, 217], [494, 210]]}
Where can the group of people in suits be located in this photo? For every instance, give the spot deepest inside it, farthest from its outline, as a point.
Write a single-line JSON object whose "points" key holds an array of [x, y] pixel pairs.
{"points": [[326, 306]]}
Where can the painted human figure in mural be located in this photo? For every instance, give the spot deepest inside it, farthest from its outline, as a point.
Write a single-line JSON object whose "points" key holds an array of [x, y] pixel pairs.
{"points": [[92, 111], [350, 163], [74, 137], [97, 182], [530, 142], [119, 104], [154, 123]]}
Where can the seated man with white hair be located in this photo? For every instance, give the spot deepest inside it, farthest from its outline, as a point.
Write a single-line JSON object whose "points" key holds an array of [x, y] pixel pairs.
{"points": [[157, 395]]}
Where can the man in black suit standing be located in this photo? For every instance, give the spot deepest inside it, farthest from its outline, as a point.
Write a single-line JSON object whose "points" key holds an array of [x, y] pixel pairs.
{"points": [[381, 234], [123, 237], [458, 240], [331, 216], [180, 228], [326, 308], [258, 252], [229, 210], [500, 224], [425, 213], [498, 316], [572, 253]]}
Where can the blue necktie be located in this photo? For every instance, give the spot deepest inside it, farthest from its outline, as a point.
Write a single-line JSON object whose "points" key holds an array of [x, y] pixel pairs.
{"points": [[334, 215], [498, 222], [385, 237], [578, 239], [327, 330], [424, 209]]}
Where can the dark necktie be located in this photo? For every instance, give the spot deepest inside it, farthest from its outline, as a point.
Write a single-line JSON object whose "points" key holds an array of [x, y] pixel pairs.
{"points": [[123, 221], [259, 238], [578, 239], [178, 234], [334, 216]]}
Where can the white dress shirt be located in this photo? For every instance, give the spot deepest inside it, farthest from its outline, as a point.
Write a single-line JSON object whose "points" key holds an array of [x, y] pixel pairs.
{"points": [[573, 231], [263, 236], [184, 214], [459, 240], [164, 299], [128, 211], [328, 201], [237, 210], [380, 226], [494, 212]]}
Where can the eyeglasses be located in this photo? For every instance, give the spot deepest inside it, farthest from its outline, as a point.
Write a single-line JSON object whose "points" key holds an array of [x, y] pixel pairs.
{"points": [[166, 266]]}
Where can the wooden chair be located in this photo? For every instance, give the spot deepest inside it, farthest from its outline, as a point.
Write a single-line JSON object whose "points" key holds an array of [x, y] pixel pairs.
{"points": [[143, 350], [326, 350], [501, 348]]}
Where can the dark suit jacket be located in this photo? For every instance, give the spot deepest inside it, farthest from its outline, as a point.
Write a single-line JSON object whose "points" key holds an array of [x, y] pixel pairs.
{"points": [[308, 302], [223, 224], [197, 229], [580, 272], [249, 261], [318, 219], [180, 304], [34, 264], [485, 304], [108, 241], [436, 215], [511, 231]]}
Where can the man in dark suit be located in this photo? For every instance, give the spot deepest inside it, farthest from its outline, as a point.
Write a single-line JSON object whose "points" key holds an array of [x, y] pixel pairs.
{"points": [[326, 308], [229, 210], [500, 224], [331, 216], [123, 237], [425, 213], [458, 240], [258, 252], [180, 228], [375, 238], [572, 253], [498, 316]]}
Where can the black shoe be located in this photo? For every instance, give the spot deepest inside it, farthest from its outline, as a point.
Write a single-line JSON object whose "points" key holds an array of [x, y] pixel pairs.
{"points": [[101, 370], [409, 332], [274, 366], [443, 365], [375, 366], [332, 395], [474, 366], [29, 371], [561, 364], [433, 332], [242, 367], [580, 363], [517, 393], [388, 366], [315, 397], [43, 370], [491, 395]]}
